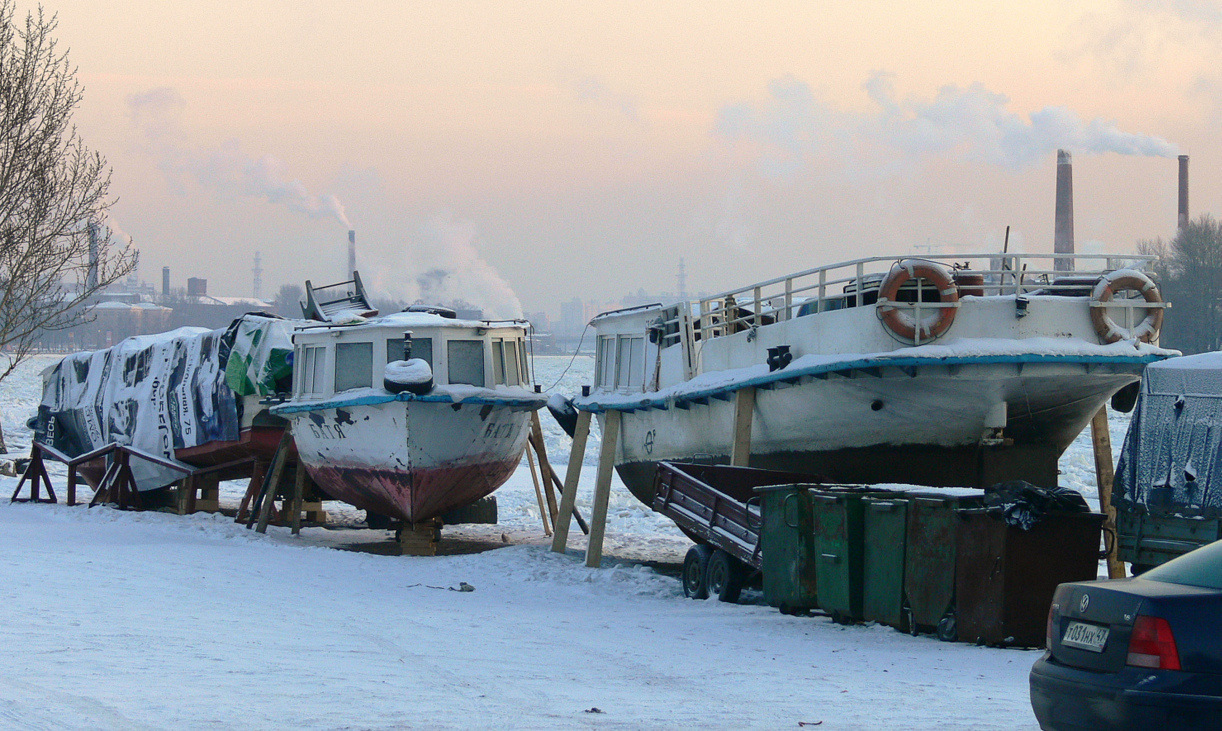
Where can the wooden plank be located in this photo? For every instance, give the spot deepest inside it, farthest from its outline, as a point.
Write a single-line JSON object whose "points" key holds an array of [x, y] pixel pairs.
{"points": [[602, 489], [534, 477], [536, 435], [568, 496], [256, 482], [1101, 441], [744, 409], [299, 483], [273, 482]]}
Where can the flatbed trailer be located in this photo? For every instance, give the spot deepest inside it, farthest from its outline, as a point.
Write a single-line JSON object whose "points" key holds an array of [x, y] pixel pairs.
{"points": [[717, 507]]}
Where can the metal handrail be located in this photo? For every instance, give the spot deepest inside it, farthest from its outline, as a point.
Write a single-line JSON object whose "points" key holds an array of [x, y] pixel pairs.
{"points": [[780, 298]]}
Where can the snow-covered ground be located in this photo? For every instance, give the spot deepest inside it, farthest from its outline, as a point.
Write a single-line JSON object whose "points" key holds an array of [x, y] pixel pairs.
{"points": [[132, 620]]}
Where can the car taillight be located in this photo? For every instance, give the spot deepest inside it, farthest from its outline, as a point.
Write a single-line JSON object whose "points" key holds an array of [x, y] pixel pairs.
{"points": [[1152, 644], [1050, 633]]}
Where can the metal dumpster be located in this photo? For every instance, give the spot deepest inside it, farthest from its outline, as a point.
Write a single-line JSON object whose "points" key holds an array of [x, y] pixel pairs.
{"points": [[929, 559], [1006, 576], [885, 535], [840, 548], [787, 547]]}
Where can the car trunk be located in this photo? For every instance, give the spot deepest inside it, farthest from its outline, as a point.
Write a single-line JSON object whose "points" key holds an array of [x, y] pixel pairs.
{"points": [[1094, 605], [1115, 605]]}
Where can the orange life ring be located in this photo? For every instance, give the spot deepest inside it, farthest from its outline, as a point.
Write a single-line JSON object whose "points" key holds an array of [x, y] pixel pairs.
{"points": [[897, 318], [1122, 280]]}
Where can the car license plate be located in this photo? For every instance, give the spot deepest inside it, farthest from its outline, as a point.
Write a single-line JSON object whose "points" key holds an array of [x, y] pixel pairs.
{"points": [[1085, 636]]}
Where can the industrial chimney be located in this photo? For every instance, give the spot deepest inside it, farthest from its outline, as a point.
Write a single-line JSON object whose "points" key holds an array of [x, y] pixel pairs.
{"points": [[165, 281], [91, 276], [1062, 241], [1183, 219], [351, 252]]}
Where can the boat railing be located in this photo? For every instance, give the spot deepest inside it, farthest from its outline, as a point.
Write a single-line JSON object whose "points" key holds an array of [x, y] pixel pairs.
{"points": [[856, 283]]}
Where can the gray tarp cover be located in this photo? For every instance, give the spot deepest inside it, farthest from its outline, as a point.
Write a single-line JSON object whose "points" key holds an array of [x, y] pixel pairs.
{"points": [[1171, 462], [154, 392]]}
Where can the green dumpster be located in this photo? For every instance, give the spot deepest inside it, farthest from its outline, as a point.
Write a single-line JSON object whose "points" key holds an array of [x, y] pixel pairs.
{"points": [[839, 548], [787, 547], [885, 535]]}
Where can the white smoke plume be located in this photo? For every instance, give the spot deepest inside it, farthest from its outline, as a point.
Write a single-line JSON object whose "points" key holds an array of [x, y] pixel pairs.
{"points": [[972, 123], [442, 266], [226, 168]]}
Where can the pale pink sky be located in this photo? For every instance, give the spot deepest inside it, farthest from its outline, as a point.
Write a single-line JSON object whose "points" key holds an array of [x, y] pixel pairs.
{"points": [[559, 149]]}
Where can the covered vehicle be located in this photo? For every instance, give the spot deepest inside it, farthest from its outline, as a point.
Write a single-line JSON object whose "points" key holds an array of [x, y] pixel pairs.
{"points": [[1168, 489], [1135, 653]]}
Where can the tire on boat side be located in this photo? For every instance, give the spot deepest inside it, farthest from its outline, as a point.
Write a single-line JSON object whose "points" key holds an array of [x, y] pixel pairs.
{"points": [[724, 576], [695, 571]]}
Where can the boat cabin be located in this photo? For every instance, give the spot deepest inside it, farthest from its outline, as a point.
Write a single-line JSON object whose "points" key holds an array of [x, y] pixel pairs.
{"points": [[331, 358]]}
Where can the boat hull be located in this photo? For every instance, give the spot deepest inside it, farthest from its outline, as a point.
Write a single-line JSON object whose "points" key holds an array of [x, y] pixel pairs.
{"points": [[410, 460], [933, 425]]}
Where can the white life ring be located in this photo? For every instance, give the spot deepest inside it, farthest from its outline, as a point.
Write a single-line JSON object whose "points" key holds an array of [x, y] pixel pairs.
{"points": [[1122, 280], [898, 319]]}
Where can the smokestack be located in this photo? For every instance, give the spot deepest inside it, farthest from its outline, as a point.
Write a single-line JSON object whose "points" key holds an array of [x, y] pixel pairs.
{"points": [[1183, 219], [165, 281], [91, 276], [351, 252], [1062, 241]]}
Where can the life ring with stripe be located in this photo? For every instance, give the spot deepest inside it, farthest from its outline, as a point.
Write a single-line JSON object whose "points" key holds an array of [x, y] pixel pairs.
{"points": [[897, 317], [1125, 280]]}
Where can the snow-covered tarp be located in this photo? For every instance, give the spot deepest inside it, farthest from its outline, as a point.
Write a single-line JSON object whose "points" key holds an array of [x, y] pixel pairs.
{"points": [[158, 393], [1171, 462], [261, 356]]}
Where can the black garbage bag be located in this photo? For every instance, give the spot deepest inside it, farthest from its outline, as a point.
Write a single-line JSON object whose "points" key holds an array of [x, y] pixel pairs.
{"points": [[1022, 504]]}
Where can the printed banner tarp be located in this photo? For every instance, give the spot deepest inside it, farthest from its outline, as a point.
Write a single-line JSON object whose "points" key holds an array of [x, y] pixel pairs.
{"points": [[157, 393]]}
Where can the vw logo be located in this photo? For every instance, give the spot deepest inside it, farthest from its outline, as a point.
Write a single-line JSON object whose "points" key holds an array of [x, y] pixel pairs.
{"points": [[1082, 605]]}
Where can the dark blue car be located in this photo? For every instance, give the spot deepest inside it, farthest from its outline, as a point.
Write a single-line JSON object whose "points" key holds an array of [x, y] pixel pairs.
{"points": [[1140, 653]]}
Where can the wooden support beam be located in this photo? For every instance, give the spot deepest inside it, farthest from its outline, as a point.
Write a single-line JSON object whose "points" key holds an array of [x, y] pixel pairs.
{"points": [[185, 505], [602, 489], [568, 496], [536, 437], [534, 477], [1101, 441], [257, 471], [272, 484], [299, 484], [744, 409]]}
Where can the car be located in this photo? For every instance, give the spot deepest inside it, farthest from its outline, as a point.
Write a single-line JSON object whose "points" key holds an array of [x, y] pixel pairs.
{"points": [[1137, 653]]}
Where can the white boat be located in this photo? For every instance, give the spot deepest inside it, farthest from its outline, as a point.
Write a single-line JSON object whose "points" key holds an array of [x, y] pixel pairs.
{"points": [[452, 438], [923, 371]]}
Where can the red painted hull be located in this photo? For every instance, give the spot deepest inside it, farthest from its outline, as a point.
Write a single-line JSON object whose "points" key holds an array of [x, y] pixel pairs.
{"points": [[415, 495]]}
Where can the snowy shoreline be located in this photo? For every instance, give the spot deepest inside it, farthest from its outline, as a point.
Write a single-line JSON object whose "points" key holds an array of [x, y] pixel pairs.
{"points": [[134, 620]]}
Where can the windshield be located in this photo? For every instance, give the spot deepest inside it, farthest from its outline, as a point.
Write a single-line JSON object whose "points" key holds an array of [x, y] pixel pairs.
{"points": [[1202, 567]]}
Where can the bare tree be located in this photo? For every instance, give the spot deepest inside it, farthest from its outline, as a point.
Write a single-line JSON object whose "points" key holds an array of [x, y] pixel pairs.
{"points": [[1189, 270], [52, 189]]}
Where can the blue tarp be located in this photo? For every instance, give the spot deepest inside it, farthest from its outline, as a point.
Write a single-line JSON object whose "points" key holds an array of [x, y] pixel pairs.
{"points": [[1171, 462]]}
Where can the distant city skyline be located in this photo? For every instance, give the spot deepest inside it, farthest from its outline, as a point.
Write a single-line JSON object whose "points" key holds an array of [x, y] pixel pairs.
{"points": [[518, 155]]}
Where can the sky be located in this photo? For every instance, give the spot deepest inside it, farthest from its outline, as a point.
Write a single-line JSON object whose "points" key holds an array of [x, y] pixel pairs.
{"points": [[519, 154]]}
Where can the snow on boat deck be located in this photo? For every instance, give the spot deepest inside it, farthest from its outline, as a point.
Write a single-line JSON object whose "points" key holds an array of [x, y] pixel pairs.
{"points": [[131, 620]]}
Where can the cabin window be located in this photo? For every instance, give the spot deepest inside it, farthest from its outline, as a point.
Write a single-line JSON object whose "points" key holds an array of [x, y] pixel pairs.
{"points": [[606, 361], [525, 365], [630, 363], [313, 363], [422, 348], [498, 362], [353, 365], [466, 361], [511, 363]]}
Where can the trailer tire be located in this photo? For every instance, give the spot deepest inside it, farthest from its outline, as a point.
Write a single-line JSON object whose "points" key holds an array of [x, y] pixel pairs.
{"points": [[725, 576], [695, 572]]}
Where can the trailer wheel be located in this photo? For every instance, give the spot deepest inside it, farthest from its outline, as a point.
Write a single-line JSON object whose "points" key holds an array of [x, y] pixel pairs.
{"points": [[695, 570], [725, 576]]}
